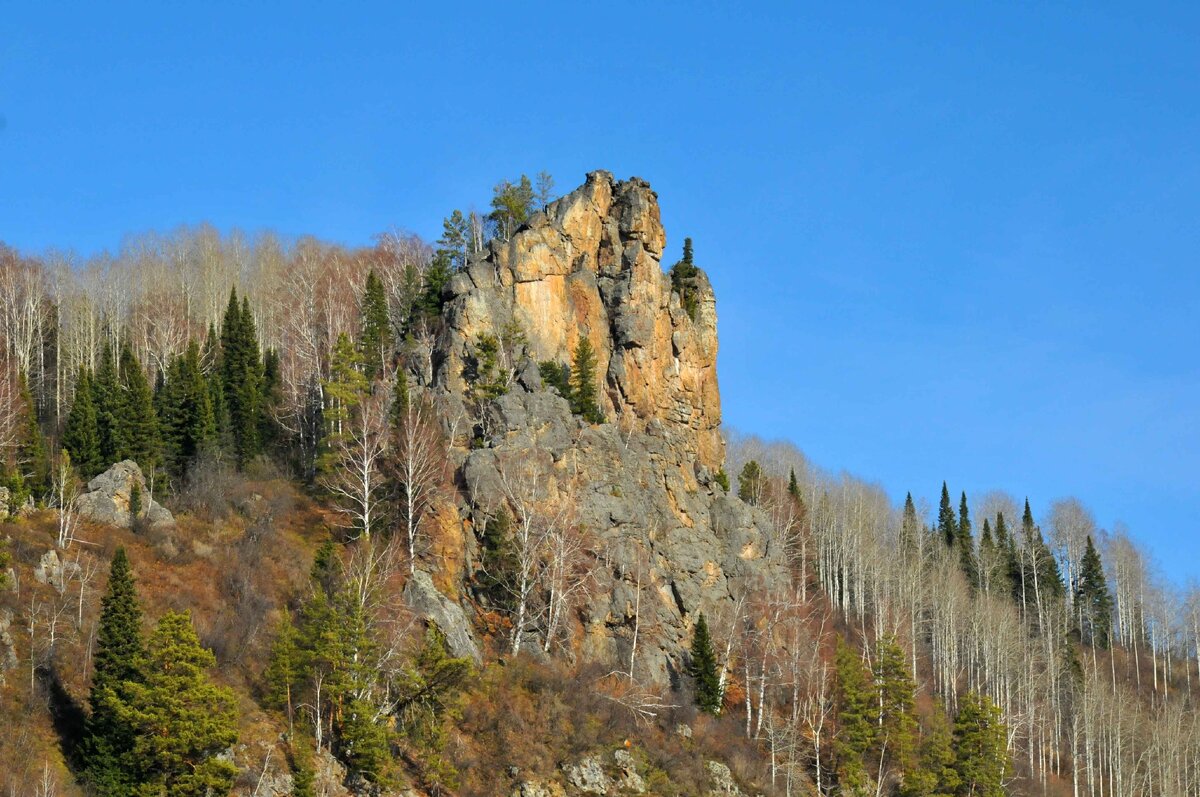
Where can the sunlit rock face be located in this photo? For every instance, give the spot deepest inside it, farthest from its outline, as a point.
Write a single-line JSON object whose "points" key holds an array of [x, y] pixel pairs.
{"points": [[666, 542]]}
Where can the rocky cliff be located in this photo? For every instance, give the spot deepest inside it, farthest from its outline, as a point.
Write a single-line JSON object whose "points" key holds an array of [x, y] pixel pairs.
{"points": [[665, 541]]}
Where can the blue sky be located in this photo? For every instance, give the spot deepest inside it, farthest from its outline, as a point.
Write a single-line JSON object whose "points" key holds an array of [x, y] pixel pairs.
{"points": [[949, 241]]}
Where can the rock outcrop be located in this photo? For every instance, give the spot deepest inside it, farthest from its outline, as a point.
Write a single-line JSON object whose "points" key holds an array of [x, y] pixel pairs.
{"points": [[110, 496], [423, 598], [667, 541]]}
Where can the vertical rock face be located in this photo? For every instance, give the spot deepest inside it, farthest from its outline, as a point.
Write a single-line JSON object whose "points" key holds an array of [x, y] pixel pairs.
{"points": [[665, 540], [591, 264]]}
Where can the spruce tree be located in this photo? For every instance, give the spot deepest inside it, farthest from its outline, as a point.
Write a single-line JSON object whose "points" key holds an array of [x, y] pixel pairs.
{"points": [[793, 487], [33, 458], [981, 747], [185, 408], [683, 280], [285, 667], [934, 775], [947, 525], [181, 721], [81, 436], [110, 408], [857, 711], [704, 671], [909, 525], [1092, 599], [241, 377], [139, 421], [583, 382], [375, 336], [966, 544], [108, 745], [896, 728]]}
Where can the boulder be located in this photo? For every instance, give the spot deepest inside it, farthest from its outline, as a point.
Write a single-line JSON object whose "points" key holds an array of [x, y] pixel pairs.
{"points": [[423, 598], [588, 776], [109, 495], [721, 780], [629, 781]]}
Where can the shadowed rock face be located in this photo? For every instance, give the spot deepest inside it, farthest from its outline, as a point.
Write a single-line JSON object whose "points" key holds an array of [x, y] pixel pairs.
{"points": [[666, 542]]}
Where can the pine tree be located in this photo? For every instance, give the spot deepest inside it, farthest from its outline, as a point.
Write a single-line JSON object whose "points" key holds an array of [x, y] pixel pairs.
{"points": [[704, 671], [750, 483], [452, 245], [375, 338], [947, 525], [81, 436], [583, 382], [966, 544], [498, 576], [1092, 599], [284, 670], [857, 710], [981, 747], [436, 277], [108, 744], [557, 377], [181, 721], [139, 421], [429, 695]]}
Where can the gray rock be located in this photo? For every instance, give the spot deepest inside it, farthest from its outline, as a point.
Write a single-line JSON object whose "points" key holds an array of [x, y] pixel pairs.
{"points": [[424, 599], [108, 498], [588, 776], [721, 780], [53, 571], [628, 780]]}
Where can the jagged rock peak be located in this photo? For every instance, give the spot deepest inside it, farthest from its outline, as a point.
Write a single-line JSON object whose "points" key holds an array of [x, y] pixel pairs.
{"points": [[591, 264]]}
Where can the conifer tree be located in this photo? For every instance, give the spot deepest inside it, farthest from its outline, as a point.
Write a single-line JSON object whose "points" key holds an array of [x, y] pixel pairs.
{"points": [[934, 775], [139, 421], [857, 710], [81, 436], [981, 747], [108, 744], [181, 721], [498, 576], [750, 483], [185, 409], [241, 377], [793, 487], [33, 458], [583, 382], [966, 544], [704, 670], [375, 336], [897, 724], [683, 275], [213, 367], [947, 526], [284, 668], [909, 525], [110, 408], [1093, 601]]}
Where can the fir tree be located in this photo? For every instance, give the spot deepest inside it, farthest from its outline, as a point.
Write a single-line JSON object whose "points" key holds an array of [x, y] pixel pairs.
{"points": [[185, 409], [284, 669], [181, 721], [498, 577], [108, 744], [897, 724], [81, 436], [557, 377], [683, 280], [703, 669], [375, 337], [947, 526], [981, 747], [583, 382], [1092, 599], [436, 277], [793, 487]]}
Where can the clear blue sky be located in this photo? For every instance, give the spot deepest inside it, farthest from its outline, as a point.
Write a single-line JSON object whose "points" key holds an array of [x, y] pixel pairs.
{"points": [[949, 241]]}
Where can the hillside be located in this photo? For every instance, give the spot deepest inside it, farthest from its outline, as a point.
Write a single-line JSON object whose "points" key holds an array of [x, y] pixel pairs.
{"points": [[461, 519]]}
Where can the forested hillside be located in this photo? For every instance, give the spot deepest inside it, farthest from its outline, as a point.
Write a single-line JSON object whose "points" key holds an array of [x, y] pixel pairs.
{"points": [[288, 517]]}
